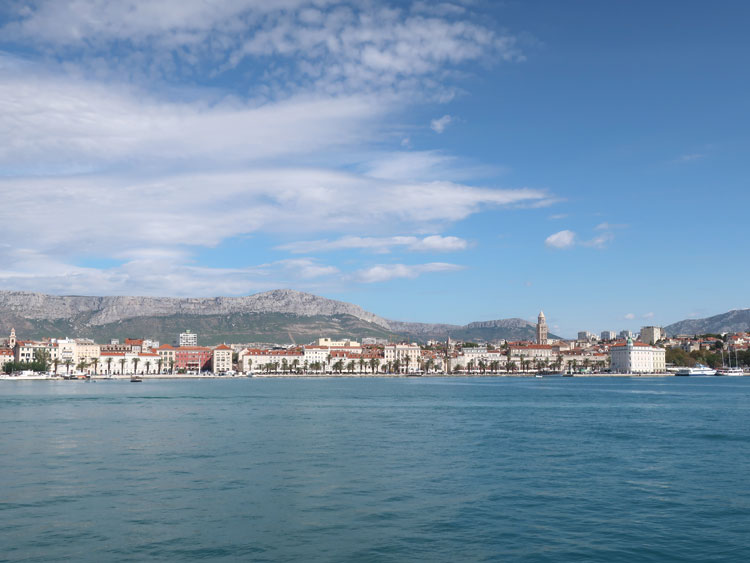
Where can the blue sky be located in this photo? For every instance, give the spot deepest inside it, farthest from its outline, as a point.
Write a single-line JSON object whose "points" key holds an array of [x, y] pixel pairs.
{"points": [[438, 162]]}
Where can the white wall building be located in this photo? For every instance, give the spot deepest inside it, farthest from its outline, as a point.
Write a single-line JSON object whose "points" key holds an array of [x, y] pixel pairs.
{"points": [[637, 357], [188, 338], [608, 335]]}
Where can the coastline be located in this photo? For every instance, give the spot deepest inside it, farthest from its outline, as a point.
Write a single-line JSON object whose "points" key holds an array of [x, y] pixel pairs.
{"points": [[176, 377]]}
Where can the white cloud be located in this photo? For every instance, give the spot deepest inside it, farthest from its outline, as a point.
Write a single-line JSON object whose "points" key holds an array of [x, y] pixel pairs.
{"points": [[610, 226], [323, 45], [438, 125], [630, 316], [433, 243], [649, 315], [561, 239], [558, 216], [387, 272], [58, 123], [599, 241]]}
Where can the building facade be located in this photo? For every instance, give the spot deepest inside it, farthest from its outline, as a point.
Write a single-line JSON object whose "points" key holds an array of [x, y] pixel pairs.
{"points": [[652, 334], [637, 357]]}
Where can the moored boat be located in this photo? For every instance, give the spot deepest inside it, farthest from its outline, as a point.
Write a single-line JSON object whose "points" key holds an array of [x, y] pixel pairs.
{"points": [[730, 371], [699, 369]]}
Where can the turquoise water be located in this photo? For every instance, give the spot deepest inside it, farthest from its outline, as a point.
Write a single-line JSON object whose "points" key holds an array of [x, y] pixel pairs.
{"points": [[578, 469]]}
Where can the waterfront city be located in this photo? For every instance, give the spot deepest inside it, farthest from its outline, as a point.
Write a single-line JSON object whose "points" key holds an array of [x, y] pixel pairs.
{"points": [[609, 353]]}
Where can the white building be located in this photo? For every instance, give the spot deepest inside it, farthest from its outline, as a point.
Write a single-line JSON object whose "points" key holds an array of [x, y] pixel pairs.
{"points": [[637, 357], [652, 334], [625, 334], [608, 335], [188, 338], [407, 354]]}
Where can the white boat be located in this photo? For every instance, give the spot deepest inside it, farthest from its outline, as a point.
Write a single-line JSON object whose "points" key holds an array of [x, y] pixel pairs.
{"points": [[699, 369], [730, 371]]}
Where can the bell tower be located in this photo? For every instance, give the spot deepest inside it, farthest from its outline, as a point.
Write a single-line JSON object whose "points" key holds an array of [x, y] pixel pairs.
{"points": [[12, 339], [541, 329]]}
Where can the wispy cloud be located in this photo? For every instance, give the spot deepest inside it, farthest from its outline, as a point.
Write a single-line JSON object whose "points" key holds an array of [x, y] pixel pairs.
{"points": [[439, 124], [630, 316], [387, 272], [561, 240], [432, 243], [649, 315]]}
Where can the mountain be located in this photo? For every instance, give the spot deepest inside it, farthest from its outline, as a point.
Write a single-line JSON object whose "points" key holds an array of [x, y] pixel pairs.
{"points": [[737, 320], [280, 316], [274, 316], [502, 329]]}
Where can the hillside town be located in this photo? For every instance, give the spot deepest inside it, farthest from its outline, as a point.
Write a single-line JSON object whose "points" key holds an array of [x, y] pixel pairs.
{"points": [[622, 353]]}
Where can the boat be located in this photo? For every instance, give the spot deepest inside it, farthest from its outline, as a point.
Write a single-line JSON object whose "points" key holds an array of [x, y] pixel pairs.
{"points": [[135, 379], [735, 371], [699, 369]]}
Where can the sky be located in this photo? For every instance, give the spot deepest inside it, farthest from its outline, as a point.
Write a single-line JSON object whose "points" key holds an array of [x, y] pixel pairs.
{"points": [[448, 161]]}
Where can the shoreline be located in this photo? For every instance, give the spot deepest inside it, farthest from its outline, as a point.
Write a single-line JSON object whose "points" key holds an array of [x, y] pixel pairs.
{"points": [[165, 377]]}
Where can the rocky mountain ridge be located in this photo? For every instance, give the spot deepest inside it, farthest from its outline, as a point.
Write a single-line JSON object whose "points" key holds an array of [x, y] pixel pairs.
{"points": [[737, 320], [96, 311]]}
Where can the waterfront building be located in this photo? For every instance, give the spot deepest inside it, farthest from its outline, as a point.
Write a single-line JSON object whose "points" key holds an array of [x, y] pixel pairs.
{"points": [[407, 355], [608, 335], [6, 355], [221, 359], [541, 329], [256, 360], [637, 357], [187, 338], [193, 358], [167, 355], [652, 334]]}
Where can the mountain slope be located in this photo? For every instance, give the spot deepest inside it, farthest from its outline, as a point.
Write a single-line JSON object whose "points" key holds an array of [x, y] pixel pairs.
{"points": [[737, 320], [280, 316], [501, 329]]}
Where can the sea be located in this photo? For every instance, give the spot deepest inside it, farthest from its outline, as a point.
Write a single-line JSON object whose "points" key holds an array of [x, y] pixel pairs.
{"points": [[376, 469]]}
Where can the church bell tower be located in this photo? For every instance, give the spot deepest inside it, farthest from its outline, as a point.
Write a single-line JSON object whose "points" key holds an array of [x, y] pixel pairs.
{"points": [[541, 329]]}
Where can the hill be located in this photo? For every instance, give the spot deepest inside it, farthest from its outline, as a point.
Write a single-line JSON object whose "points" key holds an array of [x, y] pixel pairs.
{"points": [[737, 320], [279, 316]]}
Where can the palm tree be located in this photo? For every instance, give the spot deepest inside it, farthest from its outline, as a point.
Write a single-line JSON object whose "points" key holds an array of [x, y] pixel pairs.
{"points": [[95, 363], [295, 365], [68, 363], [171, 366], [339, 366], [148, 366], [397, 365], [55, 363], [350, 366], [123, 361], [362, 363], [328, 361], [374, 362], [305, 367], [135, 364], [159, 364], [430, 364], [470, 366], [249, 363], [109, 366], [494, 365], [284, 366], [482, 366], [315, 366], [82, 365]]}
